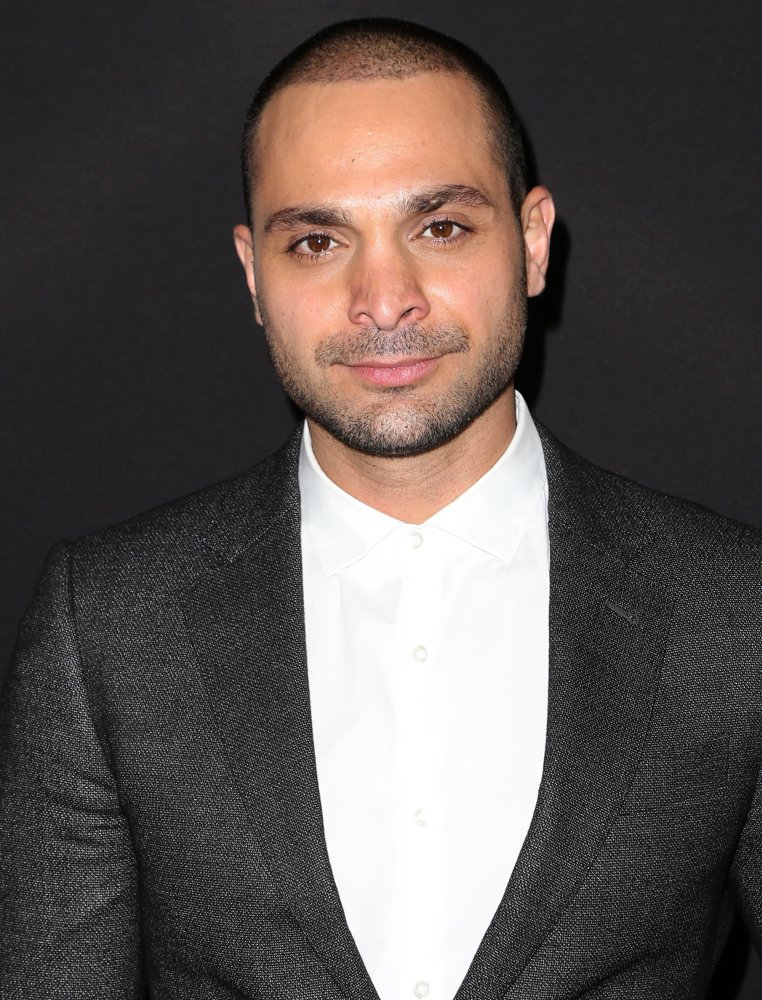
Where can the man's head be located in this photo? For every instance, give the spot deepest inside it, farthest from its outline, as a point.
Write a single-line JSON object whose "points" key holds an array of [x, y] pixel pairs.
{"points": [[391, 243]]}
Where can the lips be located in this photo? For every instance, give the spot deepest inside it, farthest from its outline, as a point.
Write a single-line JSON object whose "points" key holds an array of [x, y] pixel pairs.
{"points": [[390, 373]]}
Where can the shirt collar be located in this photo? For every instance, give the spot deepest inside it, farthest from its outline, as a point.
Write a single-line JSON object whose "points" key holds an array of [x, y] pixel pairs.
{"points": [[492, 514], [342, 528]]}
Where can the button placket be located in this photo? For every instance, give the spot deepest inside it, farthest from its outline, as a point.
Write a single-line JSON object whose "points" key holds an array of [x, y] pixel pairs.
{"points": [[415, 558], [417, 832]]}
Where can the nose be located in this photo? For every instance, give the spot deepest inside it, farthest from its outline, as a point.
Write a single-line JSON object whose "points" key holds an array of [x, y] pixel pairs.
{"points": [[386, 292]]}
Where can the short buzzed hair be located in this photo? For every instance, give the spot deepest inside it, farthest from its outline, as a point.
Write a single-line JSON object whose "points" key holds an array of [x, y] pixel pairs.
{"points": [[386, 48]]}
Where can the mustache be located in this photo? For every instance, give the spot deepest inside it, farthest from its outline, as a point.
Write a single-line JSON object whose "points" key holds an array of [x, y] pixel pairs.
{"points": [[410, 341]]}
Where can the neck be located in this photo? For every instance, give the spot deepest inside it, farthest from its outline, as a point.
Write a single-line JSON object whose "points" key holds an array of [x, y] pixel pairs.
{"points": [[414, 488]]}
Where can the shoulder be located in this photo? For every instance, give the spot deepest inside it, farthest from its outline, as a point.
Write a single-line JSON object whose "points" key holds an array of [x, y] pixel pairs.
{"points": [[675, 536], [167, 547]]}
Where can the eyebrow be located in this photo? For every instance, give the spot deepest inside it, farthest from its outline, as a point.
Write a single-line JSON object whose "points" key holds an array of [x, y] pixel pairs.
{"points": [[448, 194], [412, 204], [306, 215]]}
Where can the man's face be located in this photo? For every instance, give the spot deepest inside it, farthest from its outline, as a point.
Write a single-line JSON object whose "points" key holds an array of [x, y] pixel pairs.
{"points": [[386, 261]]}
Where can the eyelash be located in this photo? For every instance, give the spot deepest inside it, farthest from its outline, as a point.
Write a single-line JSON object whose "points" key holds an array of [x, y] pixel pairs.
{"points": [[437, 240]]}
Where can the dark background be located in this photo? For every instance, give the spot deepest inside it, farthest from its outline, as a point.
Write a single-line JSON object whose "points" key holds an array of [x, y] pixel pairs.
{"points": [[130, 367]]}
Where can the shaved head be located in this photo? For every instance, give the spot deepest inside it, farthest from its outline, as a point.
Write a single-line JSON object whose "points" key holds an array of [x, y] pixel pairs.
{"points": [[382, 48]]}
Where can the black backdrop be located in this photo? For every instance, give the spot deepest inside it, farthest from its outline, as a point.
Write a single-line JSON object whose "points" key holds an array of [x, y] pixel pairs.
{"points": [[131, 371]]}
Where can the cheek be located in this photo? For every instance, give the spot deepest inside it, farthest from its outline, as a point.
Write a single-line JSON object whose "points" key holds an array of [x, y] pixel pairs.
{"points": [[296, 324], [300, 305], [477, 292], [468, 301]]}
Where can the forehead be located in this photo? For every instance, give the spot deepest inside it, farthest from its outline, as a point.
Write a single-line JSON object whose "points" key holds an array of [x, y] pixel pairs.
{"points": [[354, 138]]}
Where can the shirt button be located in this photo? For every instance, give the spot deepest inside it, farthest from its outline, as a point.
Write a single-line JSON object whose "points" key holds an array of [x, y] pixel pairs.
{"points": [[416, 539], [419, 817], [421, 989], [420, 654]]}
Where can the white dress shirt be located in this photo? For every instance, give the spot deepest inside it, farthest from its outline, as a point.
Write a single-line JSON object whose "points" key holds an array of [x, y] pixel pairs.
{"points": [[427, 652]]}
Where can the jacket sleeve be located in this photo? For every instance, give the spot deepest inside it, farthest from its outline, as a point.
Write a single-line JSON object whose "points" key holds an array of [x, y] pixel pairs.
{"points": [[69, 917]]}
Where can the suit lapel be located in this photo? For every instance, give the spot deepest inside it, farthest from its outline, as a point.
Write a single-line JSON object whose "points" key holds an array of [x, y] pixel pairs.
{"points": [[245, 621], [607, 633]]}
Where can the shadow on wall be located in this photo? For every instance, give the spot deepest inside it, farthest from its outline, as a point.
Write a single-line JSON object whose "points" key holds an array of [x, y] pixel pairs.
{"points": [[545, 311], [544, 315]]}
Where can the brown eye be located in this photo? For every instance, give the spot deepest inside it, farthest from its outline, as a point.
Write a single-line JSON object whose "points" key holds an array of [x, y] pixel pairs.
{"points": [[442, 230], [318, 243]]}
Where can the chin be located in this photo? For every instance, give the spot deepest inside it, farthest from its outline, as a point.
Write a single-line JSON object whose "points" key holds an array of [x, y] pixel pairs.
{"points": [[401, 434]]}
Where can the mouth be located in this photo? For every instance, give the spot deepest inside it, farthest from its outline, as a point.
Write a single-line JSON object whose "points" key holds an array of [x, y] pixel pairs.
{"points": [[392, 372]]}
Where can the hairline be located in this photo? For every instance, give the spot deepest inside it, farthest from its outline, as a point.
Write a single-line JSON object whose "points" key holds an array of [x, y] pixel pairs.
{"points": [[489, 114]]}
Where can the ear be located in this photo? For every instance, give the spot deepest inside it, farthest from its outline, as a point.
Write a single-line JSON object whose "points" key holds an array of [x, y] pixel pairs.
{"points": [[244, 245], [537, 216]]}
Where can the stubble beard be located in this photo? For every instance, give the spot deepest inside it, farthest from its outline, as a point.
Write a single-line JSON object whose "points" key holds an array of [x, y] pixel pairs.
{"points": [[402, 421]]}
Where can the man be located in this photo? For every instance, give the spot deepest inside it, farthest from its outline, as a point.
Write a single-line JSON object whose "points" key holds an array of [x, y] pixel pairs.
{"points": [[424, 704]]}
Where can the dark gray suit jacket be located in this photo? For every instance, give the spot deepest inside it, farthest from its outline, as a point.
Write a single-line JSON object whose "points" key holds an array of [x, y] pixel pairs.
{"points": [[160, 824]]}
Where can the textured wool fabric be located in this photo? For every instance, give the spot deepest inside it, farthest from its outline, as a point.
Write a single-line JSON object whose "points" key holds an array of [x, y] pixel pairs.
{"points": [[160, 823]]}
